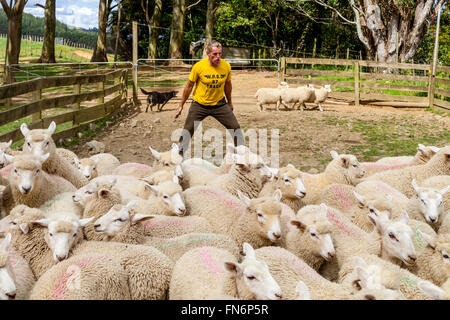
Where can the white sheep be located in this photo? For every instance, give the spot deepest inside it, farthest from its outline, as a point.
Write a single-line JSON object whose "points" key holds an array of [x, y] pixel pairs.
{"points": [[319, 95], [166, 198], [162, 226], [165, 175], [296, 95], [121, 224], [268, 96], [289, 180], [33, 186], [62, 202], [427, 205], [40, 142], [256, 221], [16, 277], [97, 165], [401, 179], [218, 273], [434, 292], [343, 169], [70, 156]]}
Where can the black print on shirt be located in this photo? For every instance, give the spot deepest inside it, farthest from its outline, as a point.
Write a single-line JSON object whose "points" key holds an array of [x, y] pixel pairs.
{"points": [[214, 84]]}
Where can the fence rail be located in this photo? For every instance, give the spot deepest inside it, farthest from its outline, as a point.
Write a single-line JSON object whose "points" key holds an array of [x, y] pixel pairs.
{"points": [[43, 100], [372, 82]]}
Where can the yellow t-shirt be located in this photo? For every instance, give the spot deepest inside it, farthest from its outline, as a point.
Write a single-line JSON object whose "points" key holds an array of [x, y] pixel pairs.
{"points": [[210, 81]]}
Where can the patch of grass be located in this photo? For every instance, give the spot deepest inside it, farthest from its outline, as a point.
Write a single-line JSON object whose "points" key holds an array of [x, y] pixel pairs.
{"points": [[439, 112]]}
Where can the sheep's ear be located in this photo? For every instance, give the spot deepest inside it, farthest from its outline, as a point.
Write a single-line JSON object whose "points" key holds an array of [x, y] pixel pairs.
{"points": [[175, 148], [52, 127], [404, 217], [430, 240], [85, 221], [360, 199], [248, 250], [302, 291], [44, 158], [4, 246], [323, 208], [277, 195], [24, 227], [2, 189], [345, 162], [298, 224], [24, 129], [363, 276], [290, 165], [41, 222], [103, 193], [434, 149], [132, 204], [358, 261], [175, 180], [9, 144], [77, 162], [141, 217], [179, 171], [334, 154], [113, 181], [232, 267], [153, 189], [155, 153], [431, 290], [148, 180], [243, 198], [444, 190], [421, 148], [9, 158], [415, 186]]}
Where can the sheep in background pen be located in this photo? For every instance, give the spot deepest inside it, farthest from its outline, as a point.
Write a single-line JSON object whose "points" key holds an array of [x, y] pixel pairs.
{"points": [[270, 96]]}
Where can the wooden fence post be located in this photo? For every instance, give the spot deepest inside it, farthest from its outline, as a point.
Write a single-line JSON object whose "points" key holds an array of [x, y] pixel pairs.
{"points": [[348, 55], [101, 86], [314, 51], [431, 87], [135, 58], [282, 75], [35, 117], [356, 76]]}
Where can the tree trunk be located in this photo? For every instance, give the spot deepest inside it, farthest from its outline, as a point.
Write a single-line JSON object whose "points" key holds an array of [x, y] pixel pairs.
{"points": [[154, 31], [48, 47], [209, 29], [99, 54], [118, 30], [176, 34]]}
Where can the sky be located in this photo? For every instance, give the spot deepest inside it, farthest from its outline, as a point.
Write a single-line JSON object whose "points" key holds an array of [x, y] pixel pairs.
{"points": [[78, 13]]}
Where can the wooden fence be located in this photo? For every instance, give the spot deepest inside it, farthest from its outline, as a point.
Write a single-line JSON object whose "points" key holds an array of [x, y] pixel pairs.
{"points": [[33, 100], [369, 82]]}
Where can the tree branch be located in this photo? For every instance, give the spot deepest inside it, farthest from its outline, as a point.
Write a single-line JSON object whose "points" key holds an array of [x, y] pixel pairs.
{"points": [[194, 4], [5, 6], [323, 4], [361, 36], [40, 5]]}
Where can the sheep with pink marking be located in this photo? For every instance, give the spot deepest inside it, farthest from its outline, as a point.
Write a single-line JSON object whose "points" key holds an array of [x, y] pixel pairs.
{"points": [[218, 274], [256, 221], [98, 165]]}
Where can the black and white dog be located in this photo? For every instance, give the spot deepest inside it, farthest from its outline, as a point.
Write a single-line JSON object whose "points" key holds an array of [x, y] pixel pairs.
{"points": [[157, 98]]}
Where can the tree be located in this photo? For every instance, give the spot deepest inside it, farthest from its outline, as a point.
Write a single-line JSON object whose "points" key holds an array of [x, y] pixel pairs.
{"points": [[177, 31], [116, 47], [209, 29], [153, 25], [386, 27], [14, 14], [99, 54], [48, 47]]}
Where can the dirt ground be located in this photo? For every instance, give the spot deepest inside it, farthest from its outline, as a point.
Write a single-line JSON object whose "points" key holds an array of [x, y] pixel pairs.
{"points": [[305, 139]]}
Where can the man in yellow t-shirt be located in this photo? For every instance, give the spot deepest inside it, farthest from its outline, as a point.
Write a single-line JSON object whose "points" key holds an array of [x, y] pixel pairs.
{"points": [[212, 79]]}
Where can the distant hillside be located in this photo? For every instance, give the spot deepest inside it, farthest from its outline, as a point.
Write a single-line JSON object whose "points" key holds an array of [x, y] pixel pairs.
{"points": [[32, 25]]}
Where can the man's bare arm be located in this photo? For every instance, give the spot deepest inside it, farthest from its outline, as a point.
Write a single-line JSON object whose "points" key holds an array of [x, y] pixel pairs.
{"points": [[186, 93], [228, 88]]}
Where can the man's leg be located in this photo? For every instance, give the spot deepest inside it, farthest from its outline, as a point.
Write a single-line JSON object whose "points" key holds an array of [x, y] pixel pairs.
{"points": [[196, 113], [227, 118]]}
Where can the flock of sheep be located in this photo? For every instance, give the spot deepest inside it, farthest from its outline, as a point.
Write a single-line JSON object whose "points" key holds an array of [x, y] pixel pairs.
{"points": [[96, 229], [285, 95]]}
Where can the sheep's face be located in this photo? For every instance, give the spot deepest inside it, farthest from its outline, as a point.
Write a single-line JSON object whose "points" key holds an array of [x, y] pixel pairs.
{"points": [[168, 159], [26, 172], [62, 235], [267, 213], [253, 278], [170, 194], [38, 141], [85, 194], [396, 236], [430, 201], [443, 249], [249, 161], [7, 277], [290, 183], [355, 170], [88, 168], [164, 175], [317, 229], [5, 159]]}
